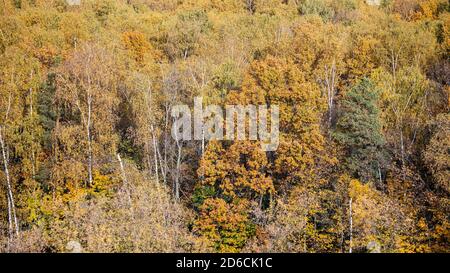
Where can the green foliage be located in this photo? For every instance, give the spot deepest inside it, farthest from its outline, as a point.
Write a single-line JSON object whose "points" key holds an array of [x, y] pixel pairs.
{"points": [[316, 7], [201, 194], [46, 110], [326, 9], [103, 8], [358, 131]]}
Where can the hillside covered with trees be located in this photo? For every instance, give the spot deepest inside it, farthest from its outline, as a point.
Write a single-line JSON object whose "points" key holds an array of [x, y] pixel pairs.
{"points": [[88, 162]]}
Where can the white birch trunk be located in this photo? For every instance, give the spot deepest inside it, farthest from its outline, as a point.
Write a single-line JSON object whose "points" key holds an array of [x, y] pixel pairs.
{"points": [[125, 180], [351, 225], [178, 171], [11, 206], [88, 130]]}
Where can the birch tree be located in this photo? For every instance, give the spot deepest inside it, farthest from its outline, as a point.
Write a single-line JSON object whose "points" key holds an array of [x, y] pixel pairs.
{"points": [[87, 84]]}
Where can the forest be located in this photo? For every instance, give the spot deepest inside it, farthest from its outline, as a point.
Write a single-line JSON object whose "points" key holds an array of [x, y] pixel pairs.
{"points": [[88, 162]]}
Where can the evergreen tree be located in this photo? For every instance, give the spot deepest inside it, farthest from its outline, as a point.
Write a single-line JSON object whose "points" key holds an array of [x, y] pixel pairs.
{"points": [[358, 131]]}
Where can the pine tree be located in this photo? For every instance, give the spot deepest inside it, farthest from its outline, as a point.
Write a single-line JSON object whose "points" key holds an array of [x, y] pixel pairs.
{"points": [[358, 131]]}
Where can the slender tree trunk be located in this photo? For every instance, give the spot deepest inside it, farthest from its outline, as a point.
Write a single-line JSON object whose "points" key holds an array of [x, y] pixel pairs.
{"points": [[351, 225], [379, 175], [203, 151], [394, 62], [178, 171], [10, 222], [402, 147], [328, 83], [161, 166], [330, 79], [11, 207], [155, 154], [203, 141], [148, 103], [33, 154], [88, 129], [128, 193], [147, 157], [166, 142], [125, 180]]}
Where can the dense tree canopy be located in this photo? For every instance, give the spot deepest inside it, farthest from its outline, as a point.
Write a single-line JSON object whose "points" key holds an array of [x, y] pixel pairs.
{"points": [[88, 161]]}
